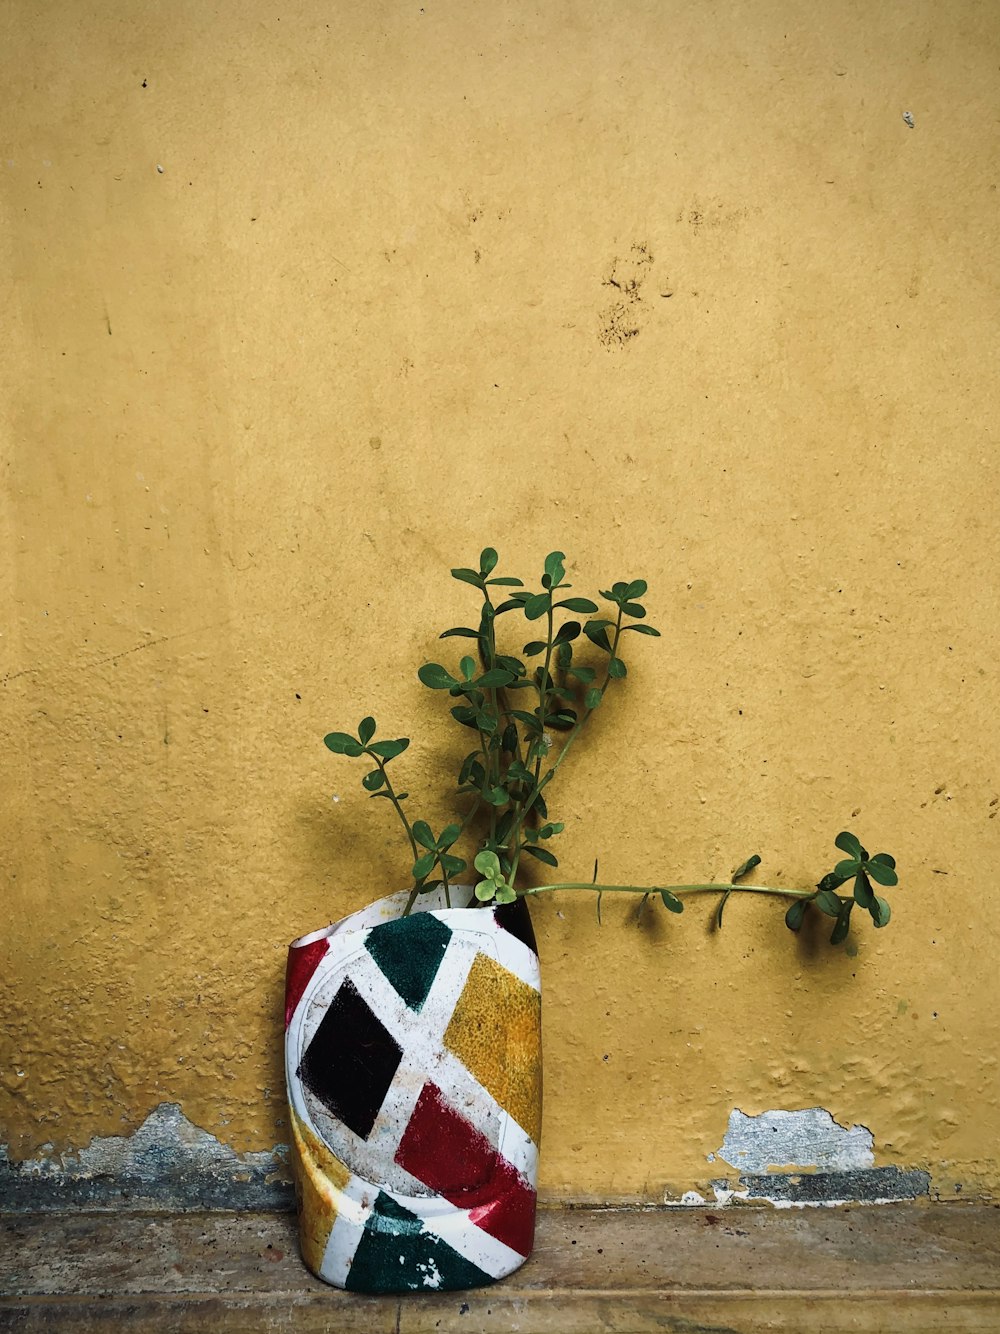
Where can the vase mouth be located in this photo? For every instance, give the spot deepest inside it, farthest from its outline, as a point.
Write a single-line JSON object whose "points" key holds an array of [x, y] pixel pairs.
{"points": [[388, 909]]}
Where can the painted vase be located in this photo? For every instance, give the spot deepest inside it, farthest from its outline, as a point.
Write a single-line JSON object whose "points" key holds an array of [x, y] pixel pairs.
{"points": [[413, 1064]]}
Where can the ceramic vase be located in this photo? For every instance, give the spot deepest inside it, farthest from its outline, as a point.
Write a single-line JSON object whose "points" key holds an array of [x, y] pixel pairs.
{"points": [[413, 1064]]}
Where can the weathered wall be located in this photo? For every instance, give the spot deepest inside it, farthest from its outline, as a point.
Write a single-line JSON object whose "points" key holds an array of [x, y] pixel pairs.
{"points": [[305, 304]]}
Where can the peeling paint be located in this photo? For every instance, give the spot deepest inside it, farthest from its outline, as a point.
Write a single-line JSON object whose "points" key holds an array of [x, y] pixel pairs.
{"points": [[807, 1138], [167, 1164], [792, 1159]]}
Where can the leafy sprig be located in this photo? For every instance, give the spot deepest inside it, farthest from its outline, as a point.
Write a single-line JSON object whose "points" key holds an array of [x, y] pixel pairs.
{"points": [[526, 716]]}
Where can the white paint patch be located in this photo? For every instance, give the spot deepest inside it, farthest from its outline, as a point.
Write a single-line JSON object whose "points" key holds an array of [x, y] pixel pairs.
{"points": [[808, 1138]]}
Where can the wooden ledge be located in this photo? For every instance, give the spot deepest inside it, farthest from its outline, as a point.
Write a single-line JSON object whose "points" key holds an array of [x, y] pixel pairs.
{"points": [[923, 1268]]}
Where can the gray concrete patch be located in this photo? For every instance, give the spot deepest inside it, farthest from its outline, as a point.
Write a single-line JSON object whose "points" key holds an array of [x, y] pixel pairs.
{"points": [[806, 1138], [167, 1164], [874, 1185]]}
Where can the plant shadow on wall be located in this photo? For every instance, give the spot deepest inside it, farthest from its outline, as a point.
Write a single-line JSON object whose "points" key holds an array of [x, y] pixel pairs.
{"points": [[412, 1049]]}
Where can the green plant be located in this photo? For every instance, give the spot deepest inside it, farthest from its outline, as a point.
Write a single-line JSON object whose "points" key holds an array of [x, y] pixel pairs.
{"points": [[519, 750]]}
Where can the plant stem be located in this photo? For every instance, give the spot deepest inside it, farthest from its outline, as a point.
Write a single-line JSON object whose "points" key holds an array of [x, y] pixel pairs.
{"points": [[721, 888], [570, 738], [391, 794]]}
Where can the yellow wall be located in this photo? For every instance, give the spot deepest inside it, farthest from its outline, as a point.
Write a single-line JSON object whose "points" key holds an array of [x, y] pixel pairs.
{"points": [[363, 323]]}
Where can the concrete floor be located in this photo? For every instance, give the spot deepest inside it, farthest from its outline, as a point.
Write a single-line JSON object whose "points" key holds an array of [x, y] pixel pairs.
{"points": [[738, 1270]]}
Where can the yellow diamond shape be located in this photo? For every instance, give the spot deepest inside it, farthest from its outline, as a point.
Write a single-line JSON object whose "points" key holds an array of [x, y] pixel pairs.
{"points": [[495, 1031]]}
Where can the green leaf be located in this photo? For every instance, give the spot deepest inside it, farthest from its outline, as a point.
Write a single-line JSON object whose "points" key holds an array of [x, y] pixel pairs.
{"points": [[496, 796], [851, 845], [845, 870], [828, 902], [513, 665], [537, 605], [373, 781], [422, 833], [468, 577], [635, 589], [366, 730], [448, 835], [508, 740], [543, 854], [342, 743], [881, 872], [881, 912], [468, 668], [670, 901], [610, 595], [506, 582], [864, 895], [596, 632], [400, 796], [561, 721], [795, 914], [488, 560], [494, 679], [593, 697], [534, 647], [555, 567], [571, 630], [642, 630], [487, 863], [843, 923], [579, 604], [505, 894], [485, 890], [550, 830], [437, 677], [585, 675], [884, 858], [388, 750], [452, 866], [833, 881], [745, 868], [424, 865], [634, 609], [530, 720], [617, 668], [461, 631], [464, 714]]}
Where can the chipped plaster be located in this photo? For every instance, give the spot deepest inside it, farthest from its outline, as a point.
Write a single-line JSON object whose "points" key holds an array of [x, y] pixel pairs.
{"points": [[807, 1138], [167, 1163]]}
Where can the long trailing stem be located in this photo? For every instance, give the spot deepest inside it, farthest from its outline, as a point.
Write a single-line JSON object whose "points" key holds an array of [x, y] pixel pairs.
{"points": [[724, 887]]}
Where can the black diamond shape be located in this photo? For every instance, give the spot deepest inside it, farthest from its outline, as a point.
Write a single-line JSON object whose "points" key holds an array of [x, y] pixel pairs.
{"points": [[351, 1061]]}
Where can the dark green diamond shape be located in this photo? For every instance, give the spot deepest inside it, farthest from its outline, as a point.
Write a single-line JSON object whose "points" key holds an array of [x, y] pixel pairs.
{"points": [[409, 952]]}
